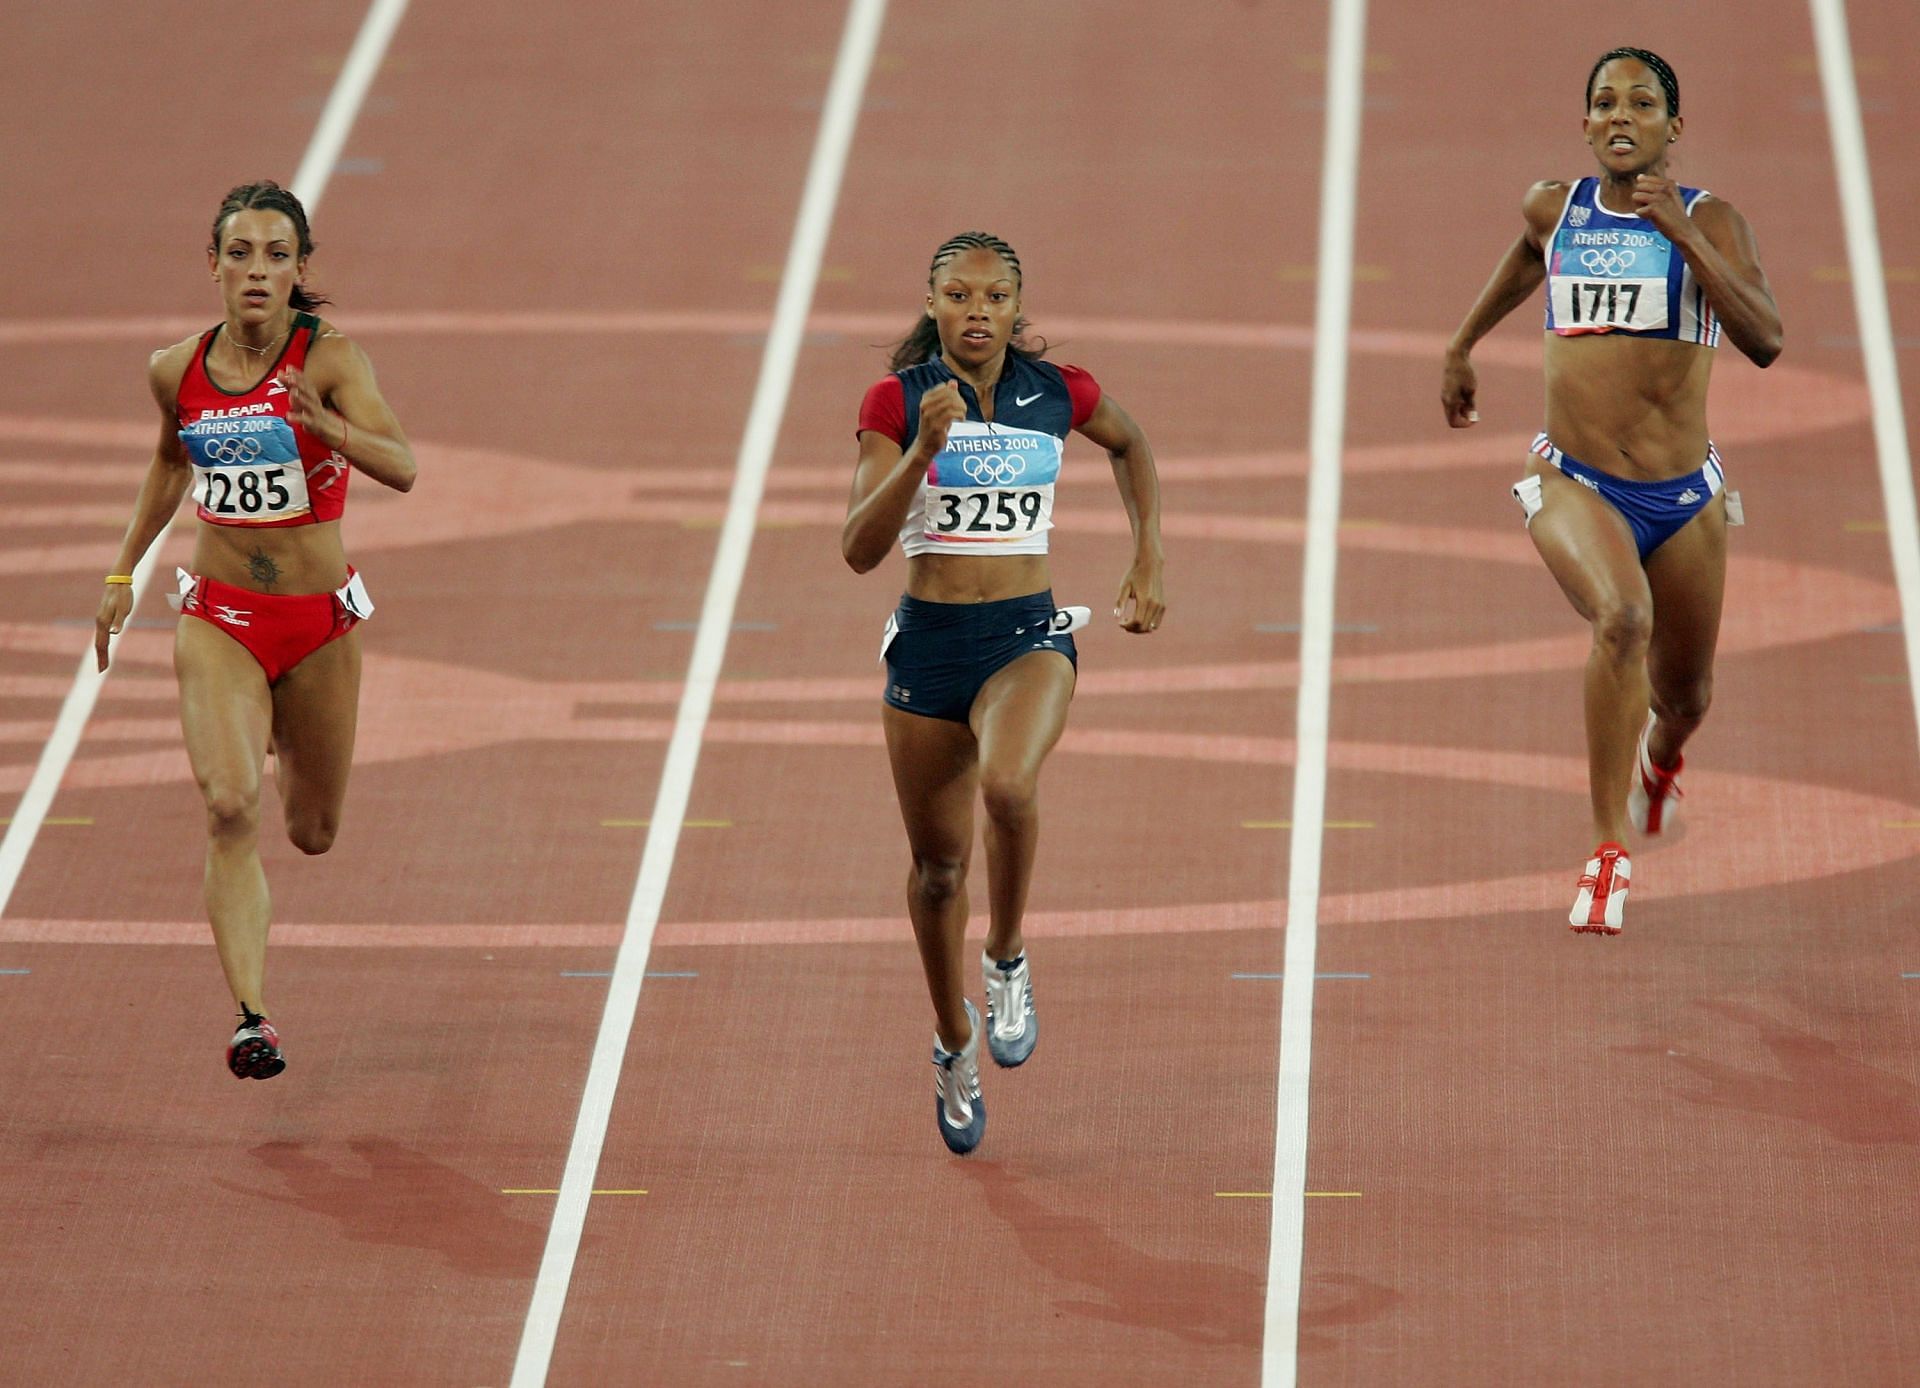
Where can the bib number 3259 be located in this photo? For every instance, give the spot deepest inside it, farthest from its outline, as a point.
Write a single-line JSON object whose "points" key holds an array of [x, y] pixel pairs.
{"points": [[981, 511]]}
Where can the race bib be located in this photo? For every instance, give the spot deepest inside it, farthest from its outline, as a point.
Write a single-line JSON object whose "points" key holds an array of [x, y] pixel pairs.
{"points": [[992, 486], [246, 470], [1622, 284]]}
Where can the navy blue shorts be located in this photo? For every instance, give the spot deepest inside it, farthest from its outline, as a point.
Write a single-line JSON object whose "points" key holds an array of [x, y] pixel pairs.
{"points": [[939, 654], [1654, 511]]}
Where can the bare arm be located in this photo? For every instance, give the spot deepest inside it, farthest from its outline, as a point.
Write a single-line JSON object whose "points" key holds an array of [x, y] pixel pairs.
{"points": [[886, 479], [167, 479], [337, 400], [1514, 280], [1720, 250], [1140, 604]]}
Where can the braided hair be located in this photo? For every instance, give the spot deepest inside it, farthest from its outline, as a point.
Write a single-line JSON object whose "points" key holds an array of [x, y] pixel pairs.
{"points": [[923, 342], [1668, 82], [268, 196]]}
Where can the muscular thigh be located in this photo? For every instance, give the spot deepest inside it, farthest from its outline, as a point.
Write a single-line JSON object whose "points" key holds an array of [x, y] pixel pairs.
{"points": [[316, 708], [1587, 546], [1688, 576], [1021, 712], [935, 770], [225, 708]]}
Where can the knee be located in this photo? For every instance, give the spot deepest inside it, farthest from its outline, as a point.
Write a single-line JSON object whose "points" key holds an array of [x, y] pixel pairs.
{"points": [[1686, 704], [233, 812], [937, 881], [313, 834], [1622, 629], [1009, 796]]}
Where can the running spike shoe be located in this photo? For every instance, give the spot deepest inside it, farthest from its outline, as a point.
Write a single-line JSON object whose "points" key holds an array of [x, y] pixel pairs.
{"points": [[1654, 789], [957, 1105], [1012, 1027], [1600, 906], [254, 1052]]}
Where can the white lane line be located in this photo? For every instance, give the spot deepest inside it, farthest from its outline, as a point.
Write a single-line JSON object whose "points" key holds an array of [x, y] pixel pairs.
{"points": [[777, 362], [316, 168], [1876, 326], [1339, 177]]}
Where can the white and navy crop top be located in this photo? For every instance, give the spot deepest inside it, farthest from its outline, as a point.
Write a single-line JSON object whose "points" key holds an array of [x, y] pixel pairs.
{"points": [[1613, 272], [990, 490]]}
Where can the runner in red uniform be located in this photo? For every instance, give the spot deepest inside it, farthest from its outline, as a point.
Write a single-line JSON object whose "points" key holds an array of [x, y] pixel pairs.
{"points": [[264, 416]]}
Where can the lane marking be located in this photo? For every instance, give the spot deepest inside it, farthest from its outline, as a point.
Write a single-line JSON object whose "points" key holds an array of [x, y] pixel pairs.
{"points": [[52, 822], [1338, 627], [695, 626], [15, 971], [608, 973], [1333, 308], [686, 824], [323, 151], [1268, 1195], [839, 115], [534, 1190], [1288, 824], [1877, 351], [1318, 976]]}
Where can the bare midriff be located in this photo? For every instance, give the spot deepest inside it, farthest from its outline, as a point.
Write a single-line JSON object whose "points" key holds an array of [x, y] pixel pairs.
{"points": [[976, 577], [1633, 407], [303, 558]]}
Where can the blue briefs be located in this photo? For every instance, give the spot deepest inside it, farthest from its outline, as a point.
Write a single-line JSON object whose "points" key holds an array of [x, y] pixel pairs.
{"points": [[1653, 510], [939, 654]]}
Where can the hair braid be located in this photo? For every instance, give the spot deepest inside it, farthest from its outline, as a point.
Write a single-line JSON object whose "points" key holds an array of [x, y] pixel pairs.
{"points": [[268, 196], [1668, 82], [923, 342]]}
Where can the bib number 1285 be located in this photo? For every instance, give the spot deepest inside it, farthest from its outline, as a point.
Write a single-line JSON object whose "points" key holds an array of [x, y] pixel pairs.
{"points": [[245, 491]]}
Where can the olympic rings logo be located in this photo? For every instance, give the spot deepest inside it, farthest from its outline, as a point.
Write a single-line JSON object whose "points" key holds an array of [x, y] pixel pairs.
{"points": [[1608, 261], [997, 471], [231, 450]]}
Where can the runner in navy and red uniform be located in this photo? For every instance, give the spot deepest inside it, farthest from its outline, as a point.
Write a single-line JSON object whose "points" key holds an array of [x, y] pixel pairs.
{"points": [[1624, 494], [263, 415], [960, 448]]}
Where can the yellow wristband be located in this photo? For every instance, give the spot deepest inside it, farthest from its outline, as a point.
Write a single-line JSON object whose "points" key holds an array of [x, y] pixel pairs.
{"points": [[121, 578]]}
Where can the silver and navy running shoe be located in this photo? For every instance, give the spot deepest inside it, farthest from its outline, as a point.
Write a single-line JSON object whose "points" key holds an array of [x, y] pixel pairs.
{"points": [[957, 1105], [1012, 1027]]}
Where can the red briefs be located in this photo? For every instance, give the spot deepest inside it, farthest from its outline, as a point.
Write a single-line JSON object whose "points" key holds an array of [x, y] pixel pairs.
{"points": [[278, 630]]}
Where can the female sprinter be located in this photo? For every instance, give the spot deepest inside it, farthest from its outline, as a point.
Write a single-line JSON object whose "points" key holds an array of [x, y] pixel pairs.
{"points": [[1623, 492], [262, 415], [959, 449]]}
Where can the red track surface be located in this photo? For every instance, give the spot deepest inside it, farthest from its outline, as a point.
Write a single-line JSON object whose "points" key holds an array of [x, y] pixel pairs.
{"points": [[1683, 1156]]}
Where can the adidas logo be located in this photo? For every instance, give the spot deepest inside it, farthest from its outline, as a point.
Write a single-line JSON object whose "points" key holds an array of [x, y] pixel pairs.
{"points": [[1686, 498]]}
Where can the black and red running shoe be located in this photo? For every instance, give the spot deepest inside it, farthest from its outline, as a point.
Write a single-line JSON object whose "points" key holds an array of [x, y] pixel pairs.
{"points": [[254, 1052]]}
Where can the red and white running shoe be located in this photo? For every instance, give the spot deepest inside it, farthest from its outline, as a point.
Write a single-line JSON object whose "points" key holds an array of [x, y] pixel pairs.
{"points": [[1600, 908], [1652, 794], [254, 1052]]}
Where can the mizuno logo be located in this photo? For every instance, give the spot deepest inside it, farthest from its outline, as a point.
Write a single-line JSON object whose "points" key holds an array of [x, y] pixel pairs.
{"points": [[233, 616], [1686, 498], [275, 388], [1028, 399]]}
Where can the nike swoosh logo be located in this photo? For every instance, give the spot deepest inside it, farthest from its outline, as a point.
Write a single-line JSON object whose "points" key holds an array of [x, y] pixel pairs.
{"points": [[1028, 399]]}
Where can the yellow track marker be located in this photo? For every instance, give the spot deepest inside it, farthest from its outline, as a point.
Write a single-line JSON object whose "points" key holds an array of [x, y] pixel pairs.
{"points": [[1840, 274], [1900, 824], [84, 823], [684, 824], [519, 1191], [1866, 527], [1288, 824]]}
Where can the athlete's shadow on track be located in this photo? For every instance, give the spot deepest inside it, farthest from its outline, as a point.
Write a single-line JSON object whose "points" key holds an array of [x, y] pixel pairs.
{"points": [[1206, 1303], [394, 1195], [1846, 1097]]}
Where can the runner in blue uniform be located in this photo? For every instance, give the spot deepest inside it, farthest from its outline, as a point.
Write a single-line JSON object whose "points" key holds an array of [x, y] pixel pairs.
{"points": [[959, 450], [1624, 493]]}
